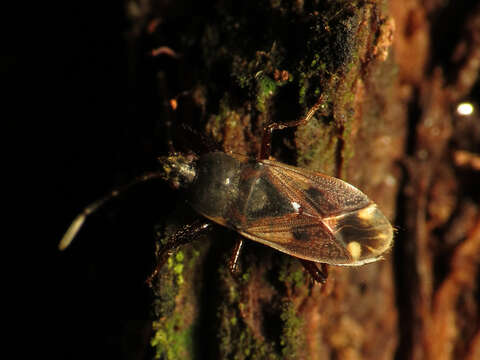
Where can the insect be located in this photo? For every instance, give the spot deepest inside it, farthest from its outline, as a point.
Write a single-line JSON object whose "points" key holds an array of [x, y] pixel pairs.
{"points": [[314, 217]]}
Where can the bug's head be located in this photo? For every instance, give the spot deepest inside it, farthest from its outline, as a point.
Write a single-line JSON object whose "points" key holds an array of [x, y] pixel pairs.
{"points": [[179, 169]]}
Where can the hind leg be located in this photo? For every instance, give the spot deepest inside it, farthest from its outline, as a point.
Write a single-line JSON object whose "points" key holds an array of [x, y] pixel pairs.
{"points": [[319, 275]]}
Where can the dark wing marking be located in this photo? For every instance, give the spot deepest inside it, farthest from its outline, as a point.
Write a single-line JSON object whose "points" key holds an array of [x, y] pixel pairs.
{"points": [[303, 232], [299, 235], [322, 194]]}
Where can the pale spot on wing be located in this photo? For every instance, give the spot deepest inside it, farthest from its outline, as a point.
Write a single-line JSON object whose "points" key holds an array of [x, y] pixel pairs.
{"points": [[296, 206], [355, 249], [367, 212]]}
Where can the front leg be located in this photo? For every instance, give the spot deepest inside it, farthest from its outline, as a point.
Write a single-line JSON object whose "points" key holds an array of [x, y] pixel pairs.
{"points": [[183, 236], [266, 147]]}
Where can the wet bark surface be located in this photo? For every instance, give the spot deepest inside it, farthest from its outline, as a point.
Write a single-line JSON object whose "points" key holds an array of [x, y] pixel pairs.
{"points": [[393, 73]]}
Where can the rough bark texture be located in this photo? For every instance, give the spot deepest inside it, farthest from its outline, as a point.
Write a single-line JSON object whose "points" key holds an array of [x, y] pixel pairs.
{"points": [[392, 74]]}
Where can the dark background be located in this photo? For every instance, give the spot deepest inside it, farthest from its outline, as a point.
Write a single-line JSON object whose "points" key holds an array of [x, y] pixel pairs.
{"points": [[104, 117]]}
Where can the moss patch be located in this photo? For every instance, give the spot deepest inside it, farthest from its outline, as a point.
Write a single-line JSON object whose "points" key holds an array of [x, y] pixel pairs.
{"points": [[172, 340], [292, 339], [176, 307], [291, 273], [238, 342]]}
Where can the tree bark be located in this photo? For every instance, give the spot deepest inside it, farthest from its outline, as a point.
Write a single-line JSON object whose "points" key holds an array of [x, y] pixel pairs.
{"points": [[390, 130]]}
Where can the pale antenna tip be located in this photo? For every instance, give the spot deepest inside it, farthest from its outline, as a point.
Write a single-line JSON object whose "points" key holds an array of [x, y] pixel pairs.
{"points": [[71, 232]]}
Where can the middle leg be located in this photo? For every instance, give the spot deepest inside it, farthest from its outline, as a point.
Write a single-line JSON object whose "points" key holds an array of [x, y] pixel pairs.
{"points": [[233, 263]]}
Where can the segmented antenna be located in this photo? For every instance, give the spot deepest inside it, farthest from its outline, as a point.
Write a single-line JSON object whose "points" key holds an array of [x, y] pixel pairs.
{"points": [[78, 222]]}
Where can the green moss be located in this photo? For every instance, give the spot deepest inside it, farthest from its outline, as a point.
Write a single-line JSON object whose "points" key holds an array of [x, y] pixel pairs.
{"points": [[179, 256], [303, 84], [193, 258], [238, 342], [175, 307], [165, 341], [236, 339], [266, 88], [320, 143], [175, 263], [292, 339], [291, 273], [216, 123], [171, 339], [317, 146]]}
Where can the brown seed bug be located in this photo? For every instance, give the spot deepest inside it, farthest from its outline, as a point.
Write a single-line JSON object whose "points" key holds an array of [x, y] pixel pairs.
{"points": [[303, 213]]}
